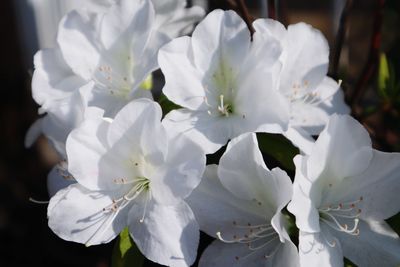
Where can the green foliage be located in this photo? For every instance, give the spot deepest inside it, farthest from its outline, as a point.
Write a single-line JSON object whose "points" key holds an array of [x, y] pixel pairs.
{"points": [[279, 148], [348, 263], [166, 104], [147, 84], [394, 222], [125, 252], [388, 87]]}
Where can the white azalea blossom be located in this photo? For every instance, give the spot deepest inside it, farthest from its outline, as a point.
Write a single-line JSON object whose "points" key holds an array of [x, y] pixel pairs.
{"points": [[102, 57], [105, 51], [343, 192], [113, 52], [100, 61], [313, 96], [223, 87], [240, 203], [172, 16], [129, 172]]}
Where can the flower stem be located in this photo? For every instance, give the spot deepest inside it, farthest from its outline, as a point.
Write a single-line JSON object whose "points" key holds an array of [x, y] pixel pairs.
{"points": [[373, 57], [340, 36], [245, 14]]}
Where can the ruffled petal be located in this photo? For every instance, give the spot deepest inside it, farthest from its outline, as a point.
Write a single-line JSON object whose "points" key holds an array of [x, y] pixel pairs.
{"points": [[78, 44], [218, 210], [376, 245], [181, 173], [175, 60], [168, 235], [209, 132], [76, 214], [221, 36], [343, 149], [249, 178], [319, 249]]}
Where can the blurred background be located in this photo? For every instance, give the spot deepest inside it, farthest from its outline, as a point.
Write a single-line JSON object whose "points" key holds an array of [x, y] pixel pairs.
{"points": [[365, 55]]}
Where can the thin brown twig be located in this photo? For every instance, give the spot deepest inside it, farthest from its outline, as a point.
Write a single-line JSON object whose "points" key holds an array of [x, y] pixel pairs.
{"points": [[245, 14], [340, 36], [373, 56], [232, 3], [271, 9], [282, 12]]}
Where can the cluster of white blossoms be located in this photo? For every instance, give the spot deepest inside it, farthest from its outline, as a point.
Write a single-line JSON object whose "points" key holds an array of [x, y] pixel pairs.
{"points": [[124, 166]]}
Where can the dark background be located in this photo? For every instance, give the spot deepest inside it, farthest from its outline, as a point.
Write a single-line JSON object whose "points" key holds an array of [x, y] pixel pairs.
{"points": [[26, 240]]}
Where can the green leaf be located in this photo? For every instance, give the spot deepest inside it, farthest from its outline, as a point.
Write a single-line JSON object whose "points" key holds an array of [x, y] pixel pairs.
{"points": [[383, 76], [147, 84], [278, 147], [166, 104], [125, 252], [348, 263]]}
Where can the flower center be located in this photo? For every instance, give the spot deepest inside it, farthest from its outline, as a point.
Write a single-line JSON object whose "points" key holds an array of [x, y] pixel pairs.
{"points": [[300, 95], [342, 217], [112, 82], [255, 237]]}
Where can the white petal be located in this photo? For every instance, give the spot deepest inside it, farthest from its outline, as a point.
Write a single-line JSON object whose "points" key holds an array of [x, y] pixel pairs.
{"points": [[312, 115], [269, 27], [218, 210], [130, 18], [168, 235], [78, 43], [209, 132], [300, 139], [266, 47], [148, 59], [86, 147], [76, 214], [56, 180], [311, 118], [287, 255], [62, 117], [243, 172], [331, 98], [259, 105], [378, 186], [319, 249], [34, 131], [181, 173], [52, 79], [175, 60], [139, 123], [225, 255], [305, 59], [376, 245], [220, 35], [303, 204], [343, 149], [182, 21]]}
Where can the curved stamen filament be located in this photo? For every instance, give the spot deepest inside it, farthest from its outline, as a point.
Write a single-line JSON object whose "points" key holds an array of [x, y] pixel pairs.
{"points": [[343, 211]]}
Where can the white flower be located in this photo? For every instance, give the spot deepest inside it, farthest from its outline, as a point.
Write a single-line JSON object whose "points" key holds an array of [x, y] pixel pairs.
{"points": [[172, 16], [240, 202], [113, 52], [223, 87], [100, 61], [131, 173], [174, 19], [343, 192], [313, 96], [88, 67]]}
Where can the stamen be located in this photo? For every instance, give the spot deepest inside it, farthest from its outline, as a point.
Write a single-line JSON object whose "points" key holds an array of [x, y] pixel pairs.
{"points": [[344, 211], [145, 208], [38, 201]]}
